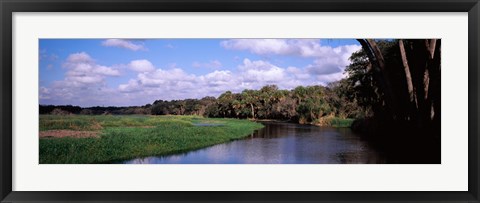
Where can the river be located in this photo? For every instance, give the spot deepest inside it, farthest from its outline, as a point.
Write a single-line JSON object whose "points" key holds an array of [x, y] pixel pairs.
{"points": [[281, 143]]}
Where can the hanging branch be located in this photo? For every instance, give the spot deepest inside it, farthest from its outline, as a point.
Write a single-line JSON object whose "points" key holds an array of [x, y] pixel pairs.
{"points": [[375, 56]]}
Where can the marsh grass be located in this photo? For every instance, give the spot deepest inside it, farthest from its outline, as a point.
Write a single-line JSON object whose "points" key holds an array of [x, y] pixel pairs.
{"points": [[341, 122], [334, 122], [125, 137]]}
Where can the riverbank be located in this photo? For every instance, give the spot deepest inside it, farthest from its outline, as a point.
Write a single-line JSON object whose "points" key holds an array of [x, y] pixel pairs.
{"points": [[117, 138], [322, 122]]}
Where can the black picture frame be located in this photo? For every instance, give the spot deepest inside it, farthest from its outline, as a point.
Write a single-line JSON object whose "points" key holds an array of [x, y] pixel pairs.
{"points": [[7, 8]]}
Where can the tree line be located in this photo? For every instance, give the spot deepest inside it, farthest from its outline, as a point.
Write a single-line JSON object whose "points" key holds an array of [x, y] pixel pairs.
{"points": [[96, 110], [303, 104]]}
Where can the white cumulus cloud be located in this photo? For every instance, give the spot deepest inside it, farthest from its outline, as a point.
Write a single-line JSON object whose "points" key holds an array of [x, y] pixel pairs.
{"points": [[261, 72], [81, 68], [123, 43], [84, 82], [298, 47], [141, 66], [327, 60]]}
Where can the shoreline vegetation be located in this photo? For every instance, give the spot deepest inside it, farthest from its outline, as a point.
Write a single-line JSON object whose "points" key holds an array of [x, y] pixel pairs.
{"points": [[314, 105], [110, 139]]}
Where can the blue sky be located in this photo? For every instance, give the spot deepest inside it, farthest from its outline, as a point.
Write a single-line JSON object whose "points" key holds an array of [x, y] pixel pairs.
{"points": [[129, 72]]}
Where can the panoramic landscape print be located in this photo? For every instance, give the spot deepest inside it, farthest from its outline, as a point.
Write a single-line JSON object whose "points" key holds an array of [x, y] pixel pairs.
{"points": [[239, 101]]}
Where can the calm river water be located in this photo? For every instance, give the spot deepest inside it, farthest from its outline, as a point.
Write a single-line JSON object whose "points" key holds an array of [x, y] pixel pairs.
{"points": [[281, 143]]}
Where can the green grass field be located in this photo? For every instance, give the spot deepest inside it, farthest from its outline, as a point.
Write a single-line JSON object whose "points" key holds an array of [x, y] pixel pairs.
{"points": [[127, 137]]}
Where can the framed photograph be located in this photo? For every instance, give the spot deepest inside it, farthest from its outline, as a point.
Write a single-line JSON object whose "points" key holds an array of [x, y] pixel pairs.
{"points": [[264, 101]]}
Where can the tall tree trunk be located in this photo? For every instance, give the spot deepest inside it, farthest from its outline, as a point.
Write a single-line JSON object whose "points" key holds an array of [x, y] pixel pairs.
{"points": [[424, 61], [433, 66], [408, 75], [431, 47], [426, 83], [435, 91], [253, 111], [430, 44]]}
